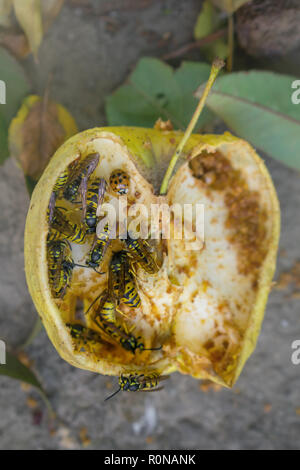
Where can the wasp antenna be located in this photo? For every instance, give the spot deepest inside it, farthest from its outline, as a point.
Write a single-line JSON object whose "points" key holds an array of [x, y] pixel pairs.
{"points": [[115, 393]]}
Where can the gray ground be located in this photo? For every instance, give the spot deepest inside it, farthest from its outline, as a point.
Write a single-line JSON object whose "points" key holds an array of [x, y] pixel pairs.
{"points": [[261, 411]]}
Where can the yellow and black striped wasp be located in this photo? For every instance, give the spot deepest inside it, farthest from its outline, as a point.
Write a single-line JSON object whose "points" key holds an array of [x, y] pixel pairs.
{"points": [[125, 338], [78, 179], [120, 280], [83, 334], [139, 383], [117, 272], [60, 267], [99, 248], [104, 316], [131, 296], [62, 227], [140, 252]]}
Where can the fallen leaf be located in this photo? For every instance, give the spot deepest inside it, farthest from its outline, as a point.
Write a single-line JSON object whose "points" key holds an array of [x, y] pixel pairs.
{"points": [[5, 12], [29, 16], [39, 128], [257, 106], [230, 6]]}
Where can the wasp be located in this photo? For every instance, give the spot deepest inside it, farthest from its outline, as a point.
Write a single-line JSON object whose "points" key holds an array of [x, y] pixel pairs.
{"points": [[105, 318], [126, 339], [141, 254], [94, 199], [61, 227], [106, 310], [99, 248], [131, 296], [60, 183], [139, 383], [120, 282], [78, 178], [119, 182], [60, 266], [117, 274]]}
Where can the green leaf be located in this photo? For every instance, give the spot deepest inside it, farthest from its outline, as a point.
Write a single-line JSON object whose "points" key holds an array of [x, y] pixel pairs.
{"points": [[189, 76], [155, 91], [17, 85], [257, 106], [207, 21], [16, 370]]}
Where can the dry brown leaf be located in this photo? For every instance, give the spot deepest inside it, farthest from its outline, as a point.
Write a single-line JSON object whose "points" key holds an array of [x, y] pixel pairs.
{"points": [[42, 134], [40, 127]]}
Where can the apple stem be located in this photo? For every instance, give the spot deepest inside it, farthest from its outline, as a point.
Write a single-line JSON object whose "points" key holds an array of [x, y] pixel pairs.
{"points": [[216, 67]]}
